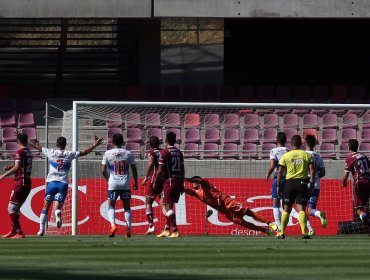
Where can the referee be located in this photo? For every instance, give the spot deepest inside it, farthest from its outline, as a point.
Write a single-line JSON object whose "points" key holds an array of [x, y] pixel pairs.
{"points": [[297, 187]]}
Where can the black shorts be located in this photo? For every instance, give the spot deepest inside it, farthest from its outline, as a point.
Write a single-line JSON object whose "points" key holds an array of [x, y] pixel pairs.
{"points": [[295, 190]]}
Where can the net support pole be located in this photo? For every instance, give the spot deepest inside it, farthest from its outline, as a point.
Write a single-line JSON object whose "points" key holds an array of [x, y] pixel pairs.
{"points": [[74, 170], [46, 136]]}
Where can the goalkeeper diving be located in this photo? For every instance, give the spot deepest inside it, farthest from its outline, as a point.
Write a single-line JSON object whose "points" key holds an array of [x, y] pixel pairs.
{"points": [[227, 206]]}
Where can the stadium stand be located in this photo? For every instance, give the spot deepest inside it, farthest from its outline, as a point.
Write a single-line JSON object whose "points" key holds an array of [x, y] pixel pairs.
{"points": [[152, 120], [211, 120], [192, 135], [231, 136], [251, 135], [154, 131], [211, 151], [230, 151], [191, 120]]}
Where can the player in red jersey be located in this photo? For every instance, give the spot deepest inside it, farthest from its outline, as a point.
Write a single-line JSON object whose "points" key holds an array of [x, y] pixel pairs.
{"points": [[150, 194], [22, 184], [358, 164], [227, 206], [171, 167]]}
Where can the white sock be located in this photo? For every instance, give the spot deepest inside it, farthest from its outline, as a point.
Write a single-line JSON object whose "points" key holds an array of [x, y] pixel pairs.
{"points": [[128, 217], [317, 213], [57, 213], [112, 216], [277, 216], [309, 225], [294, 213], [43, 218]]}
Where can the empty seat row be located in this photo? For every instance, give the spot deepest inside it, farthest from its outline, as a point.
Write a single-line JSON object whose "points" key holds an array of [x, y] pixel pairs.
{"points": [[24, 120], [9, 134], [246, 120], [246, 151], [234, 135]]}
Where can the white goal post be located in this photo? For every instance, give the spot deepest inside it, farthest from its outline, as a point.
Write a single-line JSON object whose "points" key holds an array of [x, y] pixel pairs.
{"points": [[173, 106]]}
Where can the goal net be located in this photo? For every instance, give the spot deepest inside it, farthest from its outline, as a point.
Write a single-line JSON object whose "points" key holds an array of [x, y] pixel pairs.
{"points": [[227, 143]]}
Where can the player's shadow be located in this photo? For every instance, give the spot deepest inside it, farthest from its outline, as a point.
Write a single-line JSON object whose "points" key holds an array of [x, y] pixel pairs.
{"points": [[33, 274]]}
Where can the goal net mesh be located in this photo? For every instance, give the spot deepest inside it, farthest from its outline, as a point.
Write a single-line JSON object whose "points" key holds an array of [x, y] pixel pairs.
{"points": [[229, 145]]}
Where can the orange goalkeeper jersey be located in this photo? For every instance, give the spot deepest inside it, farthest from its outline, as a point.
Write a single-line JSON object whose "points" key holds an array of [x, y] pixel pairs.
{"points": [[208, 194]]}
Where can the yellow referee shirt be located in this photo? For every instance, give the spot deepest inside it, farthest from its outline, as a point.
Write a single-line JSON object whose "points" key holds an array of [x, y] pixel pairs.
{"points": [[296, 163]]}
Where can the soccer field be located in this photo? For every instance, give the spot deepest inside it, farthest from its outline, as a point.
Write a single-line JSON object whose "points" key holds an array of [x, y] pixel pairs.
{"points": [[146, 257]]}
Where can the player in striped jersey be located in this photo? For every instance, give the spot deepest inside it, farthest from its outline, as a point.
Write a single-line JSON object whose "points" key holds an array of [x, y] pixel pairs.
{"points": [[118, 161], [314, 197], [22, 184], [57, 179], [150, 194], [275, 156]]}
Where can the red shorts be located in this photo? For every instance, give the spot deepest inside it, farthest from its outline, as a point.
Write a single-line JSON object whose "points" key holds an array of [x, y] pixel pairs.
{"points": [[150, 192], [20, 192], [172, 189], [233, 210], [361, 193]]}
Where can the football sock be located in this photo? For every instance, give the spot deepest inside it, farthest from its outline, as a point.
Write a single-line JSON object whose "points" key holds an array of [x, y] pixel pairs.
{"points": [[15, 221], [284, 221], [43, 218], [363, 217], [149, 215], [258, 217], [58, 212], [309, 224], [171, 219], [128, 217], [277, 215], [315, 213], [303, 222], [112, 215]]}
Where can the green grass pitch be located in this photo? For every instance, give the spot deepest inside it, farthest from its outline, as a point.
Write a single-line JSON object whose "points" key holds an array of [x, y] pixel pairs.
{"points": [[147, 257]]}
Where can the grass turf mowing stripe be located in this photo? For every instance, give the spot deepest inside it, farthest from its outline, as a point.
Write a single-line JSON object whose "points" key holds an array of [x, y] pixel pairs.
{"points": [[144, 257]]}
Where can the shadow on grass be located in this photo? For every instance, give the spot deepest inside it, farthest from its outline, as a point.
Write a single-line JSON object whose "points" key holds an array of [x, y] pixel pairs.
{"points": [[33, 274]]}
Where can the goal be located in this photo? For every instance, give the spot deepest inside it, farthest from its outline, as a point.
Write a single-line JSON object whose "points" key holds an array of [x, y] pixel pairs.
{"points": [[227, 143]]}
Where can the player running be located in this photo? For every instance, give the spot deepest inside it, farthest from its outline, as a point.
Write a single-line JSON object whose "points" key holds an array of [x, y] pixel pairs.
{"points": [[227, 206], [150, 194], [118, 160], [358, 164], [22, 184], [57, 179], [320, 172], [171, 167]]}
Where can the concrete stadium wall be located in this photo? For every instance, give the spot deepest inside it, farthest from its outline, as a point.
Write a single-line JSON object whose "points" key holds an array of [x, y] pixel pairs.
{"points": [[203, 168], [75, 8], [183, 8]]}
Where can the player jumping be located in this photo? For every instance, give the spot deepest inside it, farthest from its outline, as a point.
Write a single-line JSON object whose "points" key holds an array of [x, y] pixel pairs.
{"points": [[22, 184], [118, 160], [57, 179], [150, 194], [358, 164], [171, 167], [227, 206]]}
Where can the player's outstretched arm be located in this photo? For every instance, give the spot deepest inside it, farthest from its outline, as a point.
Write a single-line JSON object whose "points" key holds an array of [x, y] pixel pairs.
{"points": [[97, 142], [134, 174], [35, 144], [11, 171]]}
